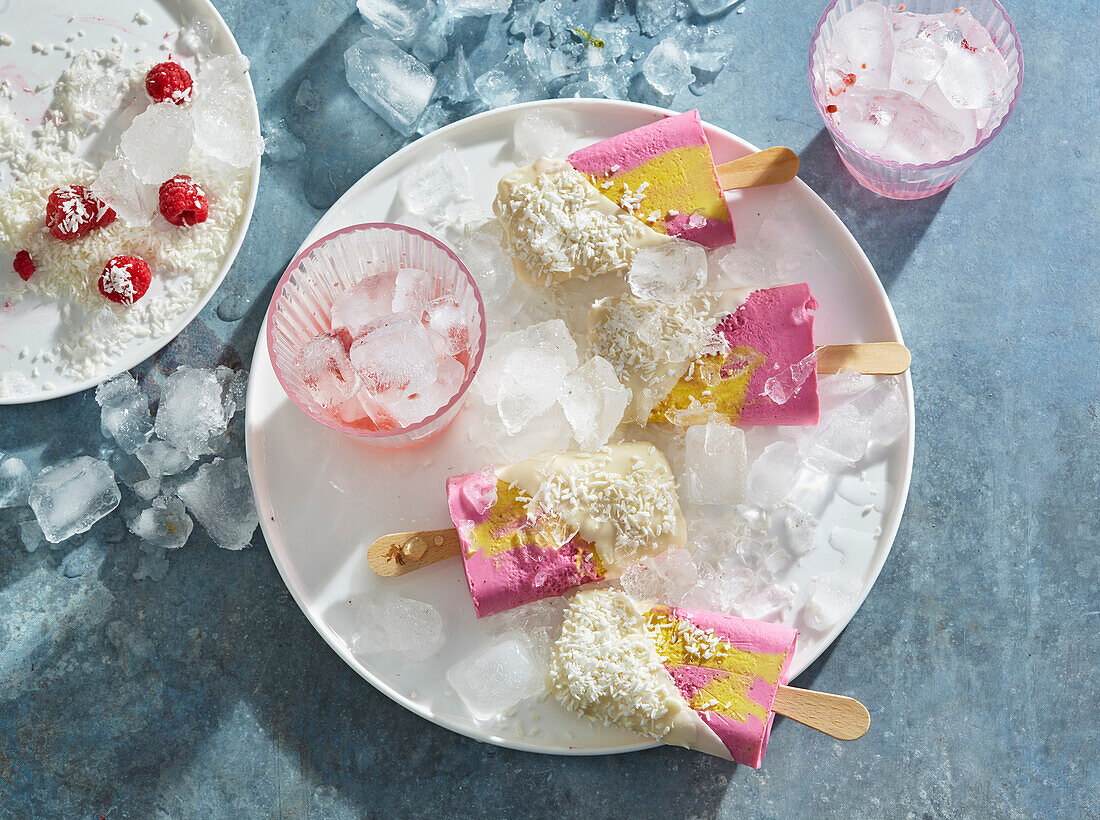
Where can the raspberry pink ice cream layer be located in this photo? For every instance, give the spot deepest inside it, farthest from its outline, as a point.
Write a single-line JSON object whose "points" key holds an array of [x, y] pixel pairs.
{"points": [[509, 559], [664, 174], [732, 685], [778, 324]]}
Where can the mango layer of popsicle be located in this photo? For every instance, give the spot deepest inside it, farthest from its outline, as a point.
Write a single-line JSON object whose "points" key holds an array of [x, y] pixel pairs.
{"points": [[537, 528], [712, 355], [697, 679]]}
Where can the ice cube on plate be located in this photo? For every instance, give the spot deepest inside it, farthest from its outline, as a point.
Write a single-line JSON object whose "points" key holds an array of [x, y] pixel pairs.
{"points": [[400, 19], [68, 498], [841, 438], [665, 578], [451, 322], [158, 141], [736, 266], [435, 187], [124, 412], [196, 406], [395, 85], [885, 409], [774, 473], [668, 272], [134, 201], [220, 497], [15, 482], [390, 623], [831, 598], [412, 290], [326, 370], [368, 299], [496, 678], [716, 462], [551, 339], [164, 523], [667, 68], [491, 267], [222, 110], [594, 402], [781, 387], [543, 134], [394, 353], [798, 530], [160, 458]]}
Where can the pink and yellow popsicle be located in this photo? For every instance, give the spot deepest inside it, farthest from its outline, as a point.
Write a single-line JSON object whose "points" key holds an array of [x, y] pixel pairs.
{"points": [[701, 680], [540, 527]]}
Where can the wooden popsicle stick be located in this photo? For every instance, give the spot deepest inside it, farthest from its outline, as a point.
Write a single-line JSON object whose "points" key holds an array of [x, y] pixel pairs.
{"points": [[768, 167], [401, 552], [872, 358], [836, 715]]}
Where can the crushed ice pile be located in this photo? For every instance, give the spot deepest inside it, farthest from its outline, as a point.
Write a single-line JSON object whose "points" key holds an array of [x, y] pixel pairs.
{"points": [[408, 72], [162, 472], [913, 88]]}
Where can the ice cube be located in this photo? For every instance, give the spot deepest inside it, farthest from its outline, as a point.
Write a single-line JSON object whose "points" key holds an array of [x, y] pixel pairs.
{"points": [[886, 410], [390, 623], [220, 497], [222, 112], [841, 438], [665, 578], [126, 468], [368, 299], [15, 482], [30, 534], [667, 68], [964, 119], [476, 8], [158, 141], [147, 488], [393, 84], [161, 458], [451, 322], [124, 412], [668, 272], [864, 37], [513, 82], [89, 90], [656, 16], [164, 524], [543, 134], [897, 127], [768, 603], [736, 266], [394, 353], [716, 462], [711, 7], [412, 290], [497, 677], [454, 80], [326, 370], [487, 262], [594, 402], [68, 498], [915, 65], [400, 19], [774, 473], [798, 530], [435, 187], [530, 383], [550, 338], [785, 384], [831, 598], [134, 201], [196, 407], [974, 74], [548, 431]]}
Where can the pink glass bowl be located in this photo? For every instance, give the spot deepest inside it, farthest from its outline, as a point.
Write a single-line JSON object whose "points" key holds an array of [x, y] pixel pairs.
{"points": [[899, 180], [301, 308]]}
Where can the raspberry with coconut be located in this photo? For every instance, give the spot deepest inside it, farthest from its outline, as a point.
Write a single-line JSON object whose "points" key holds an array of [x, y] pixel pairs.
{"points": [[125, 279], [23, 265], [73, 210], [183, 202], [169, 82]]}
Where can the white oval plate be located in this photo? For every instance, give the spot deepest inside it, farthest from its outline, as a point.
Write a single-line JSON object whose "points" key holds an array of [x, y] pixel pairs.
{"points": [[324, 497], [33, 322]]}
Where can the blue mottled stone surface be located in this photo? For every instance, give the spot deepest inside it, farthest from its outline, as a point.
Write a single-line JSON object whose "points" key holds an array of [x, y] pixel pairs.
{"points": [[207, 694]]}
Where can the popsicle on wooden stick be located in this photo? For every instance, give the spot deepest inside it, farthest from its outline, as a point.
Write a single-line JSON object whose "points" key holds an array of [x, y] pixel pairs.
{"points": [[703, 680], [537, 528]]}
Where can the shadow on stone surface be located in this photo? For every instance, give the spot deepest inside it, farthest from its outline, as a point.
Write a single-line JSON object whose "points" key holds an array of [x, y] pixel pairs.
{"points": [[888, 230]]}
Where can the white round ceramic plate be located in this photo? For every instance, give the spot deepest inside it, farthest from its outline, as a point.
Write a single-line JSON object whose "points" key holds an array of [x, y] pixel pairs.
{"points": [[34, 322], [324, 497]]}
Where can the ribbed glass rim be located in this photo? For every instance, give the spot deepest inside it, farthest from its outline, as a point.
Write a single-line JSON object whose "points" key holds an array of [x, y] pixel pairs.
{"points": [[329, 422], [836, 135]]}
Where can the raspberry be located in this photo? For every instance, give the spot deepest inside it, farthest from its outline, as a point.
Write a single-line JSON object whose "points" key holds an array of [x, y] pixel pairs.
{"points": [[23, 265], [73, 210], [125, 279], [169, 82], [183, 201]]}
